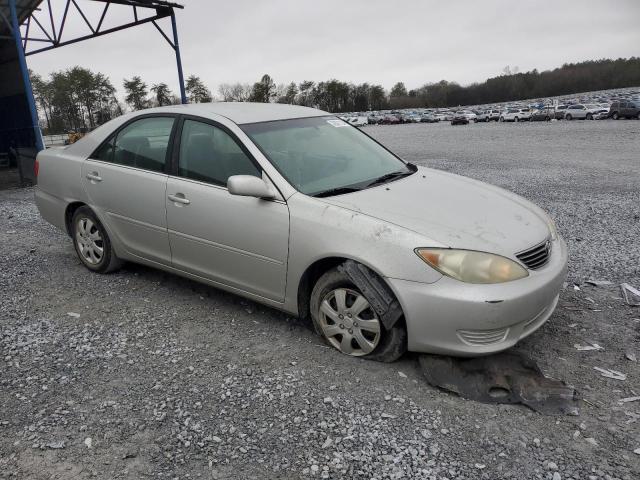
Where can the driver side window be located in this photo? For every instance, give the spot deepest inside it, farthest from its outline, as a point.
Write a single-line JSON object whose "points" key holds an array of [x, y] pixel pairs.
{"points": [[209, 154]]}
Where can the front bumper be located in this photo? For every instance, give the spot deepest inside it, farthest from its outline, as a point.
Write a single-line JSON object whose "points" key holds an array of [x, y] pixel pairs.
{"points": [[455, 318]]}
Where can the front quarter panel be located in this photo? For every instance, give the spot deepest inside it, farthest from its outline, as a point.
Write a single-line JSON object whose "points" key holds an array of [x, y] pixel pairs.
{"points": [[319, 230]]}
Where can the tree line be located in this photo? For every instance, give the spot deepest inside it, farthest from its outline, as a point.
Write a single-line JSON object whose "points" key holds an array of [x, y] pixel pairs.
{"points": [[512, 85], [77, 97]]}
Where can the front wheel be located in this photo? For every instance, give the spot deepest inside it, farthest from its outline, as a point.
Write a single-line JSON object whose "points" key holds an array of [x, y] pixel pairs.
{"points": [[568, 116], [516, 119], [91, 242], [347, 321], [589, 116], [615, 115]]}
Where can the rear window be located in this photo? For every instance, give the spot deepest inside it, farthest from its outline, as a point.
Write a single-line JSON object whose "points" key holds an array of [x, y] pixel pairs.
{"points": [[142, 144]]}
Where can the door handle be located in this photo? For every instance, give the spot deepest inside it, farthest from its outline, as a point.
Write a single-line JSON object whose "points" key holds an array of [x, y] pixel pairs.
{"points": [[94, 177], [179, 198]]}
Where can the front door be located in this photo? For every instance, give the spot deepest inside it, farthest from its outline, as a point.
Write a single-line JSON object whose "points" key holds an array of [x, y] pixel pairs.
{"points": [[126, 183], [241, 242]]}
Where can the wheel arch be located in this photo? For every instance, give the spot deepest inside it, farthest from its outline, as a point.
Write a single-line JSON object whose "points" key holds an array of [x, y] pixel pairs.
{"points": [[68, 214], [311, 275]]}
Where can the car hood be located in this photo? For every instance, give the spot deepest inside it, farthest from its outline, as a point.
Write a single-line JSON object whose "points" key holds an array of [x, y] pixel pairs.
{"points": [[453, 211]]}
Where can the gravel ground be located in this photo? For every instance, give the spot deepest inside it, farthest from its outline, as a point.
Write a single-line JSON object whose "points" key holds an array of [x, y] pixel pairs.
{"points": [[142, 374]]}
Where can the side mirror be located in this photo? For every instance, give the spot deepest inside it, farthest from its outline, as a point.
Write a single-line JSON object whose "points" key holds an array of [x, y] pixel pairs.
{"points": [[249, 186]]}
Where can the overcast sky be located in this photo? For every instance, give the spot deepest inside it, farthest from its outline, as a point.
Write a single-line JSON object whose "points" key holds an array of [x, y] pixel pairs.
{"points": [[376, 41]]}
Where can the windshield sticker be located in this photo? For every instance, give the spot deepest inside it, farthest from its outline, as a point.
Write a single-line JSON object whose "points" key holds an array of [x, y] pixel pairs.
{"points": [[337, 123]]}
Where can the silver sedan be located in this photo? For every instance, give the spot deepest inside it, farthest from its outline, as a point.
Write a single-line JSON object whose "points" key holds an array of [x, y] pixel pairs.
{"points": [[294, 208]]}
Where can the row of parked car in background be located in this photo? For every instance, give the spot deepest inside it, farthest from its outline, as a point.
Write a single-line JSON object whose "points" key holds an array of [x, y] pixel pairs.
{"points": [[596, 109]]}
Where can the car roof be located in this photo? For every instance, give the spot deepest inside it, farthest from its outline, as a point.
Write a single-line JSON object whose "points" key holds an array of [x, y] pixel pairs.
{"points": [[242, 112]]}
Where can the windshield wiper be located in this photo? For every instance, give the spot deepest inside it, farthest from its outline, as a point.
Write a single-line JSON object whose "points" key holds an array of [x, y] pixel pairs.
{"points": [[389, 176], [336, 191]]}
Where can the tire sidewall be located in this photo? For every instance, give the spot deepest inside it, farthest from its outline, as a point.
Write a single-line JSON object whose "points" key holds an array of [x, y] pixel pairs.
{"points": [[103, 265], [392, 342]]}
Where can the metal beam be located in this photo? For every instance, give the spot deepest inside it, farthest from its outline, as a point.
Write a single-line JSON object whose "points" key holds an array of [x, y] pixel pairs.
{"points": [[176, 47], [98, 34], [25, 76]]}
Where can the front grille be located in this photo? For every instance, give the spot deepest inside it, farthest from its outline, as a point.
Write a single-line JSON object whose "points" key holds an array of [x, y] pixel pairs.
{"points": [[483, 337], [537, 256]]}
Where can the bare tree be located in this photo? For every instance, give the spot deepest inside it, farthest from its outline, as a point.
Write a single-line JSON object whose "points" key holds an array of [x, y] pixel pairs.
{"points": [[235, 92]]}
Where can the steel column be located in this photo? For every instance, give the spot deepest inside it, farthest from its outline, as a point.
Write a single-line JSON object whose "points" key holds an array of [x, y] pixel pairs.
{"points": [[28, 92], [176, 47]]}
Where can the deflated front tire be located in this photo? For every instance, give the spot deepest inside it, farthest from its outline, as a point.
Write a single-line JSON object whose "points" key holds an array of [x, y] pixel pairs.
{"points": [[347, 322]]}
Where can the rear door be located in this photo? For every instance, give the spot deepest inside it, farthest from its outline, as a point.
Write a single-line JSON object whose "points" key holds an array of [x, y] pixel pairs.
{"points": [[241, 242], [126, 180]]}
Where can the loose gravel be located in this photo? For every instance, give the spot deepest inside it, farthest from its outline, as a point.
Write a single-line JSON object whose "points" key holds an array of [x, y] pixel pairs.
{"points": [[142, 374]]}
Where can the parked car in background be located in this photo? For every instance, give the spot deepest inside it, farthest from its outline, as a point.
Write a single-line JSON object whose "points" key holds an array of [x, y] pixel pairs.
{"points": [[442, 117], [359, 121], [625, 109], [374, 118], [460, 118], [412, 118], [471, 116], [559, 111], [389, 120], [582, 112], [448, 115], [601, 115], [429, 118], [541, 115], [515, 115], [488, 116], [219, 193]]}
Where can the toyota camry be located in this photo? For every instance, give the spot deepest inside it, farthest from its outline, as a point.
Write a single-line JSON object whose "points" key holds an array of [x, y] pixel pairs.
{"points": [[294, 208]]}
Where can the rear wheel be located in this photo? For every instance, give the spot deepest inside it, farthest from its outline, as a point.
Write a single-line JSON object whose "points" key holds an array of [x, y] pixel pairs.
{"points": [[615, 115], [92, 243], [568, 116], [347, 321], [516, 119], [589, 116]]}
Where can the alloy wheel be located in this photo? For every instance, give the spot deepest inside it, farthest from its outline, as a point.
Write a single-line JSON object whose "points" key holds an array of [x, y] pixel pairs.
{"points": [[89, 240], [349, 323]]}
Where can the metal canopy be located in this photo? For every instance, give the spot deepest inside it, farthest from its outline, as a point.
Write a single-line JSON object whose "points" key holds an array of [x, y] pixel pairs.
{"points": [[24, 9], [28, 27], [41, 29]]}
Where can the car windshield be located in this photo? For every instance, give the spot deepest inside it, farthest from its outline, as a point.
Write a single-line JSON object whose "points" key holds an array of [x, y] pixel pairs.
{"points": [[324, 155]]}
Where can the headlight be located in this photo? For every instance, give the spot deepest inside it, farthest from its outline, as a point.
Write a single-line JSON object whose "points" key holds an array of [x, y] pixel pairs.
{"points": [[552, 228], [472, 267]]}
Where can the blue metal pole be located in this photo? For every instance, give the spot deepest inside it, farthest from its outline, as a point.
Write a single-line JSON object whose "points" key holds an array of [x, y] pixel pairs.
{"points": [[176, 47], [28, 91]]}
